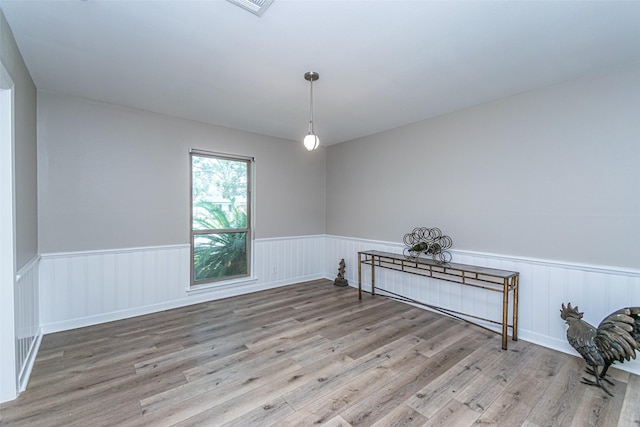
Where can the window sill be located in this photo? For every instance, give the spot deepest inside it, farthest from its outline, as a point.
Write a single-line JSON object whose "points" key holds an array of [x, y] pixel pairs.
{"points": [[198, 289]]}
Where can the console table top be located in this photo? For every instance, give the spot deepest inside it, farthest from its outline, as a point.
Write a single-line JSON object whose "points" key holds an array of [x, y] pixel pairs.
{"points": [[447, 266]]}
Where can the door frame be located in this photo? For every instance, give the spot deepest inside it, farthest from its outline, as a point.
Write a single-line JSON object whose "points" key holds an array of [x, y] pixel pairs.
{"points": [[8, 367]]}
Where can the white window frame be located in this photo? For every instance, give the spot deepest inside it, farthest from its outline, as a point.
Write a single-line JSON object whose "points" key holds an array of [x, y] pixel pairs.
{"points": [[236, 280]]}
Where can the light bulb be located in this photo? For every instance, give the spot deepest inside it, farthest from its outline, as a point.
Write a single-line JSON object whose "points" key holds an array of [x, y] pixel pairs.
{"points": [[311, 142]]}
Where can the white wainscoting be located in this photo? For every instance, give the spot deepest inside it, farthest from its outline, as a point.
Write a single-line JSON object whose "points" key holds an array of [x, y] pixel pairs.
{"points": [[544, 286], [85, 288], [81, 289], [28, 334]]}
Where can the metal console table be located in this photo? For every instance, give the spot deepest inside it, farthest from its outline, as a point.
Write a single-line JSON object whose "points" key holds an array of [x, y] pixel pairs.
{"points": [[469, 275]]}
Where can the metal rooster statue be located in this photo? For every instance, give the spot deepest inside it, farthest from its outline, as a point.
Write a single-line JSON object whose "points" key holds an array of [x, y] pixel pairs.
{"points": [[617, 338]]}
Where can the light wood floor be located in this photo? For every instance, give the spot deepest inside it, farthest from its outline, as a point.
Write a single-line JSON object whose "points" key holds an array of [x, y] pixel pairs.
{"points": [[308, 354]]}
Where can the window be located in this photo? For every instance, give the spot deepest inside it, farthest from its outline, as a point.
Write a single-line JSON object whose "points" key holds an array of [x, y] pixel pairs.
{"points": [[221, 217]]}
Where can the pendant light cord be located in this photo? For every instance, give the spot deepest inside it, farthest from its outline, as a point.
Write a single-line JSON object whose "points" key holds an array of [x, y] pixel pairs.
{"points": [[311, 140], [311, 107]]}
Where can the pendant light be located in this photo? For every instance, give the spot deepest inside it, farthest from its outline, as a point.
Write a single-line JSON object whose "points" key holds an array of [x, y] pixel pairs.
{"points": [[311, 141]]}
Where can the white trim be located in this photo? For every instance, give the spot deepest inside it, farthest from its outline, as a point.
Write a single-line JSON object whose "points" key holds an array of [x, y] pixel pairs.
{"points": [[162, 248], [226, 156], [400, 246], [28, 266], [8, 361], [206, 287], [549, 263], [288, 238]]}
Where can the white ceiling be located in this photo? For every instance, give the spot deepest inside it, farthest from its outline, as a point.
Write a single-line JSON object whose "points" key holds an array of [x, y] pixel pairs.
{"points": [[382, 64]]}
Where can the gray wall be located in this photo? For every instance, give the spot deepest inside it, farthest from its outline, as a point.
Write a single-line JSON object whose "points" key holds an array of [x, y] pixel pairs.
{"points": [[112, 177], [550, 174], [26, 221]]}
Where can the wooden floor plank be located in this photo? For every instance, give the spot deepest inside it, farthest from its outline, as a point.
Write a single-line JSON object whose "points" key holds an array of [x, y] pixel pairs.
{"points": [[249, 375], [513, 406], [308, 354], [487, 387], [455, 414], [315, 390], [559, 403], [218, 402], [378, 334], [319, 411], [401, 416], [291, 379], [263, 415], [336, 421], [439, 392], [630, 412], [252, 356], [598, 408], [409, 380]]}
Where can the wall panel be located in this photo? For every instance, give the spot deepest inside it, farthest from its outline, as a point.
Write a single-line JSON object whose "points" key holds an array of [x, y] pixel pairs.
{"points": [[84, 288]]}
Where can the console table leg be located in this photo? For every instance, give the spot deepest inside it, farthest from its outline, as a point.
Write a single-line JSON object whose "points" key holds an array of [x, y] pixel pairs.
{"points": [[505, 312], [359, 276], [514, 332], [373, 276]]}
